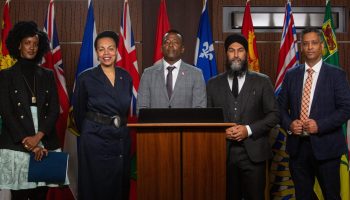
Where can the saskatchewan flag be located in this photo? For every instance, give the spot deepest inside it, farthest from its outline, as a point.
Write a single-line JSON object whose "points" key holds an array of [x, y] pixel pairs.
{"points": [[331, 56]]}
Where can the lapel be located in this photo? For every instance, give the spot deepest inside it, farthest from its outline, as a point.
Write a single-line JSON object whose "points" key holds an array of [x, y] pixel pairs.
{"points": [[320, 81], [245, 92], [160, 79], [41, 91], [179, 80], [299, 81], [20, 86], [104, 82]]}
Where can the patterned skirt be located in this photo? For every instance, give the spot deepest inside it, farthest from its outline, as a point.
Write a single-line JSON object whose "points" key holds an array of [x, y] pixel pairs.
{"points": [[14, 167]]}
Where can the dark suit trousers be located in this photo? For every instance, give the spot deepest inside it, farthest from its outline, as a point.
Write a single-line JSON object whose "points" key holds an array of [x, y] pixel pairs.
{"points": [[304, 167], [245, 179]]}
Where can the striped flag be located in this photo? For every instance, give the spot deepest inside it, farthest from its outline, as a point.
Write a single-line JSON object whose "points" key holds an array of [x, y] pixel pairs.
{"points": [[53, 60], [248, 32], [288, 56], [87, 59], [127, 59], [281, 183], [205, 55], [163, 26]]}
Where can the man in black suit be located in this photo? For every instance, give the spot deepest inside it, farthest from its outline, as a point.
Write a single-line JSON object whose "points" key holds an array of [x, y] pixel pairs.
{"points": [[313, 116], [248, 100]]}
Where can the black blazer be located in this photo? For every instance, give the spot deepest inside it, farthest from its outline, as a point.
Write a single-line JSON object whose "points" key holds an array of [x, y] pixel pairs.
{"points": [[15, 108], [330, 108], [257, 108]]}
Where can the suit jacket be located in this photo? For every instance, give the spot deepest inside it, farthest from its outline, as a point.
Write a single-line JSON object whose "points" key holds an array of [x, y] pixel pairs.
{"points": [[256, 107], [330, 108], [15, 108], [189, 90]]}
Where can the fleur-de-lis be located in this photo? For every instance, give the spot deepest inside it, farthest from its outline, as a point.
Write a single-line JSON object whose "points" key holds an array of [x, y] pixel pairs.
{"points": [[207, 51]]}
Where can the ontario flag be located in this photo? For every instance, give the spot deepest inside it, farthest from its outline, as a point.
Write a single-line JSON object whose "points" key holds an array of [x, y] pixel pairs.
{"points": [[5, 59], [248, 32], [163, 26], [281, 184], [127, 59], [53, 61]]}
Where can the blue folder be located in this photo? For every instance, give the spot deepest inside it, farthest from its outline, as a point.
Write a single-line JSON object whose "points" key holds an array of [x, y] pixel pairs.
{"points": [[51, 169]]}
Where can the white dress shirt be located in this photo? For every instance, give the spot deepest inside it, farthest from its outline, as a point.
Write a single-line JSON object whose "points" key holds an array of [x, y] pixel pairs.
{"points": [[175, 71]]}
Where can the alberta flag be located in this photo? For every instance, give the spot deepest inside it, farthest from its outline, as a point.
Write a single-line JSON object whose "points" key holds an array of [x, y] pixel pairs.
{"points": [[204, 54]]}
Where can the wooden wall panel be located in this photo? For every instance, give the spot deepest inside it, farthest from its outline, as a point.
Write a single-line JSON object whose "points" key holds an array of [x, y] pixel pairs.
{"points": [[183, 16], [268, 43], [70, 20]]}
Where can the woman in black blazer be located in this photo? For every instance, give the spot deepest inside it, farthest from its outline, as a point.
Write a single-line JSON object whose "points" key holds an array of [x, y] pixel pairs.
{"points": [[29, 109]]}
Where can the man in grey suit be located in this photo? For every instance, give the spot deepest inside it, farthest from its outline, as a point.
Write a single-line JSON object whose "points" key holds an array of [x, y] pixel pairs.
{"points": [[172, 83], [248, 101]]}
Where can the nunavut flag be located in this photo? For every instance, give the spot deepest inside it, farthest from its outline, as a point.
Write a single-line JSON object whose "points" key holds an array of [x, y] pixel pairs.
{"points": [[248, 32]]}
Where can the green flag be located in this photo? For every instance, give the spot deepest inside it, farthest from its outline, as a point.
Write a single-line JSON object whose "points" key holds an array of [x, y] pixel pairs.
{"points": [[331, 56], [330, 51]]}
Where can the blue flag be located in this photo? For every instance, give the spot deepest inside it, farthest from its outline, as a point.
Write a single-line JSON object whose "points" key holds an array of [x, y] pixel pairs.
{"points": [[87, 58], [205, 55]]}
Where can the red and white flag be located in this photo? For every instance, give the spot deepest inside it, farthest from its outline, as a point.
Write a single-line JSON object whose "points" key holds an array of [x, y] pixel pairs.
{"points": [[127, 59], [163, 26], [53, 61]]}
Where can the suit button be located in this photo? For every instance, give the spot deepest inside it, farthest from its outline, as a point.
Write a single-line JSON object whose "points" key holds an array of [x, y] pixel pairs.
{"points": [[121, 156], [46, 104], [16, 91], [18, 104], [45, 116], [22, 116], [47, 91], [235, 108]]}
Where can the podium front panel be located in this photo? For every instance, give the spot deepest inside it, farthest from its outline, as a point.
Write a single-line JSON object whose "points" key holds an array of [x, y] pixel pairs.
{"points": [[204, 164], [158, 164]]}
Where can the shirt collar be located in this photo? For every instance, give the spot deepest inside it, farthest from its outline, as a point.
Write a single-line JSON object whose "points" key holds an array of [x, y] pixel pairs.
{"points": [[316, 67], [176, 65]]}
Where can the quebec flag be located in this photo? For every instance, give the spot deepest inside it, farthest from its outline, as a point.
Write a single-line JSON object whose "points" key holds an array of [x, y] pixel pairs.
{"points": [[204, 55]]}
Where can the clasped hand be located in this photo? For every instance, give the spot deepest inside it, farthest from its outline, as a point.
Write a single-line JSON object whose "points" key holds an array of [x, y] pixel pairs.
{"points": [[30, 143], [298, 126], [237, 132]]}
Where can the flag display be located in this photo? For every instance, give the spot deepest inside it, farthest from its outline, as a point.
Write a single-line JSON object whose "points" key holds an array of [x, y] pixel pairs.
{"points": [[127, 59], [281, 183], [87, 59], [248, 32], [163, 26], [204, 54], [53, 60], [5, 59], [331, 56]]}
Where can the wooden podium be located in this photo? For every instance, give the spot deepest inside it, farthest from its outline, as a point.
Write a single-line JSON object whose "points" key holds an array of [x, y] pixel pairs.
{"points": [[181, 161]]}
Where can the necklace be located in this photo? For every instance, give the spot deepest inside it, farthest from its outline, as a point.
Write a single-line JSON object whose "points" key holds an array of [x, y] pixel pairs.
{"points": [[30, 89]]}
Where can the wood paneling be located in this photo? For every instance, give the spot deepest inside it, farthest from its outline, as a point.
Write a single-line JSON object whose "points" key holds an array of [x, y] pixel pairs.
{"points": [[183, 16]]}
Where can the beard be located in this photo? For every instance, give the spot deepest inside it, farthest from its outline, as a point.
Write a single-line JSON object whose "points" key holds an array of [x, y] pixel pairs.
{"points": [[236, 67]]}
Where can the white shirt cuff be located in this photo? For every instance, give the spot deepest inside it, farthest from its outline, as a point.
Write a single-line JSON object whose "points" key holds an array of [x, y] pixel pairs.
{"points": [[249, 130]]}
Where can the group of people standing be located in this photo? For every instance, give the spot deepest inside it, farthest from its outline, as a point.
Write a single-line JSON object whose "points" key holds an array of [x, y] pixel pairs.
{"points": [[312, 106]]}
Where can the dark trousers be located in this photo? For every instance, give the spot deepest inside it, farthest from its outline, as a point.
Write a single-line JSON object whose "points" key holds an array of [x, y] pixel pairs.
{"points": [[304, 167], [32, 194], [245, 179]]}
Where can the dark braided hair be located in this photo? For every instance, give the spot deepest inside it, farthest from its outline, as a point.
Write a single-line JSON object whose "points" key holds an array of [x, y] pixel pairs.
{"points": [[23, 30]]}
